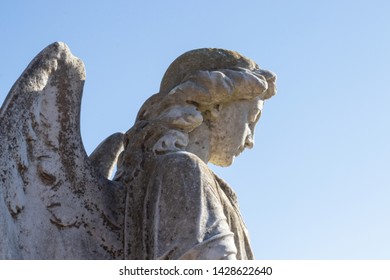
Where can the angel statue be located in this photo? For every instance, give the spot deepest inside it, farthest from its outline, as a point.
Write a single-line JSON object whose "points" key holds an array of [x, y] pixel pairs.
{"points": [[164, 202]]}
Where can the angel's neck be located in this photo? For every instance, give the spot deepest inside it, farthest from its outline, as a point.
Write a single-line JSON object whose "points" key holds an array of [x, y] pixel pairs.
{"points": [[199, 142]]}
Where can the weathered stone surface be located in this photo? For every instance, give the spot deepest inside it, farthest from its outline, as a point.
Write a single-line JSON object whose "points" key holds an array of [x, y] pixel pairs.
{"points": [[206, 111], [164, 201], [53, 205], [105, 156]]}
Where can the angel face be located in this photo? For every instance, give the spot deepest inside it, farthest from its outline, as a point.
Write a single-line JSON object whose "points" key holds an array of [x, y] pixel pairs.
{"points": [[233, 130]]}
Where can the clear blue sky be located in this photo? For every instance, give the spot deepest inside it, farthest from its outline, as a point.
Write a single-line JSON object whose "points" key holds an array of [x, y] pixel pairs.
{"points": [[317, 183]]}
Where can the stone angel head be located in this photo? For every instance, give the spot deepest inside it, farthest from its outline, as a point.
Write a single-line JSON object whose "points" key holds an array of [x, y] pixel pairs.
{"points": [[209, 103]]}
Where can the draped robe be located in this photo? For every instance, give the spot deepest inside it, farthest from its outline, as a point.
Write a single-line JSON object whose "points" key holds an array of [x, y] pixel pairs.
{"points": [[187, 212]]}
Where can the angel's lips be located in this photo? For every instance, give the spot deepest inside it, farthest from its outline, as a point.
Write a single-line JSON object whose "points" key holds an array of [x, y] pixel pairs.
{"points": [[239, 150]]}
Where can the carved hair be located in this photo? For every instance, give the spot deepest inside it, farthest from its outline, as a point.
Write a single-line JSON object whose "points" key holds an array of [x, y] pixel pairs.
{"points": [[197, 98], [193, 87], [191, 92]]}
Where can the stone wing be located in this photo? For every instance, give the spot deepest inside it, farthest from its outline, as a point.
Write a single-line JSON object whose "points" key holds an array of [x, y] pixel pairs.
{"points": [[54, 204]]}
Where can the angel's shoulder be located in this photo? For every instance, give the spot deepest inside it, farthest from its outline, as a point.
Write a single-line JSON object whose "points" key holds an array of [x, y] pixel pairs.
{"points": [[184, 165], [182, 160]]}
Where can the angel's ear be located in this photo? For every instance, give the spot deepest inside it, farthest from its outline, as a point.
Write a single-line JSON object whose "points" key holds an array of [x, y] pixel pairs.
{"points": [[212, 112], [217, 108]]}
